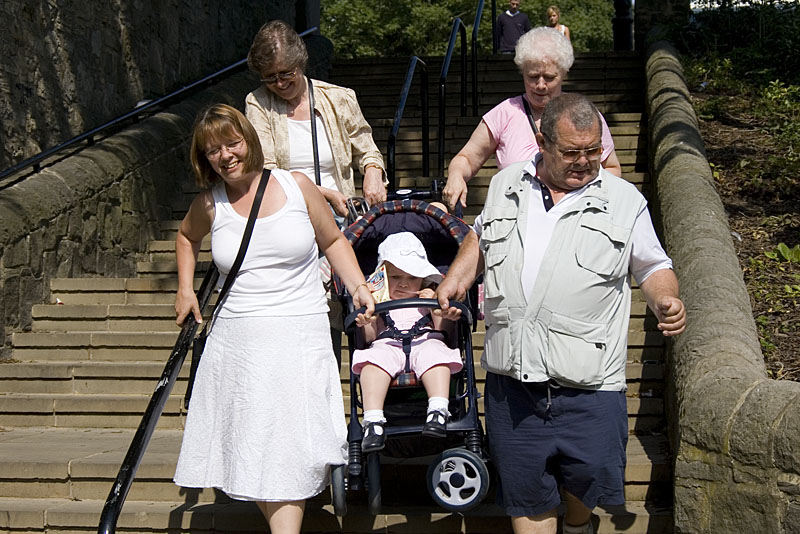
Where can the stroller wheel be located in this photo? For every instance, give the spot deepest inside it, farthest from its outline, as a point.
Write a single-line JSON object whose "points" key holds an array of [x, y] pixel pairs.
{"points": [[338, 490], [374, 483], [458, 480]]}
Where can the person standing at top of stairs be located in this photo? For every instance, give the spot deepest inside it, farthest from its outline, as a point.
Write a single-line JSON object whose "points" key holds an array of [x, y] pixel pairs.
{"points": [[544, 56], [511, 25]]}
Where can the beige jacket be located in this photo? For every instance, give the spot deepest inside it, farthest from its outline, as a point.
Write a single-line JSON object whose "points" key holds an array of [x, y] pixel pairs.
{"points": [[349, 133]]}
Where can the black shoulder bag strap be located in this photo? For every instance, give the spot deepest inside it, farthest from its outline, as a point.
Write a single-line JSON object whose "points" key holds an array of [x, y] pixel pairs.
{"points": [[200, 341], [313, 130], [530, 116]]}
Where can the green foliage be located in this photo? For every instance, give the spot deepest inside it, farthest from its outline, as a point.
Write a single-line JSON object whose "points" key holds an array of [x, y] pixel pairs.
{"points": [[391, 28], [365, 28], [760, 37], [731, 57], [711, 109], [783, 253], [589, 21], [780, 104]]}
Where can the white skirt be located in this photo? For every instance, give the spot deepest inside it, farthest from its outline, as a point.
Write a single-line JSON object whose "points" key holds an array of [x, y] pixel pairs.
{"points": [[266, 420]]}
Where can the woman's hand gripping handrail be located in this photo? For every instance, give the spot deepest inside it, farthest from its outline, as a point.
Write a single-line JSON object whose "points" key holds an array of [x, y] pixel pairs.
{"points": [[127, 471], [390, 305]]}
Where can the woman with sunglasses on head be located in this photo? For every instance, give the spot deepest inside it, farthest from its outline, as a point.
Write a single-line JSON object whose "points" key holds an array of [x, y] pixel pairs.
{"points": [[544, 56], [280, 112]]}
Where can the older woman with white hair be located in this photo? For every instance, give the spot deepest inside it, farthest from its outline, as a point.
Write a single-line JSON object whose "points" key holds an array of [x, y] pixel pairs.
{"points": [[544, 56]]}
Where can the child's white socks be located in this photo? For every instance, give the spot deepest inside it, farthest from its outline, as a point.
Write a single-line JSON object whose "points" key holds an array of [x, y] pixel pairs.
{"points": [[438, 404], [374, 416]]}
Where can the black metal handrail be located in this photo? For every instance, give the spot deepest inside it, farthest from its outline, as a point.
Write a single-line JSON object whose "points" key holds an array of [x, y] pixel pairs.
{"points": [[127, 472], [494, 27], [89, 136], [458, 29], [475, 26], [398, 116]]}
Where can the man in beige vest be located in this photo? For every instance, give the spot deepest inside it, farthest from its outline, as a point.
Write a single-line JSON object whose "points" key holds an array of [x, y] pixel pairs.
{"points": [[557, 242]]}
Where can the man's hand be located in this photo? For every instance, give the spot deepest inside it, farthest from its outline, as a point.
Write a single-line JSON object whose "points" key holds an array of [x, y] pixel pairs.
{"points": [[671, 315], [450, 289]]}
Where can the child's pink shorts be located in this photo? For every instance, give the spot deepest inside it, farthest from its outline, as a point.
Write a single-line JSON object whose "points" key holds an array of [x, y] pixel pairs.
{"points": [[427, 351]]}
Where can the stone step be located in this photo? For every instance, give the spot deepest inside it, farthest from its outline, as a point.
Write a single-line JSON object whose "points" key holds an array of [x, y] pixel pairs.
{"points": [[116, 410], [134, 291], [465, 125], [461, 133], [496, 86], [76, 318], [82, 464], [376, 108], [140, 377], [583, 69], [102, 317], [67, 515], [454, 143]]}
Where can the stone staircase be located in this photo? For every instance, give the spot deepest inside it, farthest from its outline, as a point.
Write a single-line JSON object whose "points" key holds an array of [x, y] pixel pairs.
{"points": [[79, 381]]}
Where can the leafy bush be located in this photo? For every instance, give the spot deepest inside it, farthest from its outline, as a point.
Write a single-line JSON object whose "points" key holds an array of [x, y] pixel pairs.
{"points": [[747, 50], [760, 37], [390, 28]]}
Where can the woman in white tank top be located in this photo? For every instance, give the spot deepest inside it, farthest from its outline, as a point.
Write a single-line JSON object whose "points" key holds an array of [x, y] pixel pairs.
{"points": [[267, 418], [553, 16]]}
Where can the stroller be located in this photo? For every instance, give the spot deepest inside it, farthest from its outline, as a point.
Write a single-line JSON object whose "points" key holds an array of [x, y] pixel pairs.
{"points": [[457, 478]]}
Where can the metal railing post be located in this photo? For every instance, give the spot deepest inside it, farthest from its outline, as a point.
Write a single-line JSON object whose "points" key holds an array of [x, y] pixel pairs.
{"points": [[398, 117], [475, 26], [458, 26]]}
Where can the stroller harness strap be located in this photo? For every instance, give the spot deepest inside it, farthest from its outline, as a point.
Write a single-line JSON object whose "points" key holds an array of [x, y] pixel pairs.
{"points": [[408, 335]]}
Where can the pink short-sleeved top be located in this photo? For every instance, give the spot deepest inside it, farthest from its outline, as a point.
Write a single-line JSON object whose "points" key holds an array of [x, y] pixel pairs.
{"points": [[509, 127]]}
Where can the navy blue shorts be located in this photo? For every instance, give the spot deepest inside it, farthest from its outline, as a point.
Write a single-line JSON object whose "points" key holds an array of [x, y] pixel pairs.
{"points": [[577, 444]]}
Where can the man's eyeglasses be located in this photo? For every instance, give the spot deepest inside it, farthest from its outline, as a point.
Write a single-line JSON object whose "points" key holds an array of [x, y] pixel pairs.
{"points": [[571, 156], [283, 76]]}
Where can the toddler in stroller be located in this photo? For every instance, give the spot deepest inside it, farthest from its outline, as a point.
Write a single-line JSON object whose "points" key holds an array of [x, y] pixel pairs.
{"points": [[457, 477], [403, 340]]}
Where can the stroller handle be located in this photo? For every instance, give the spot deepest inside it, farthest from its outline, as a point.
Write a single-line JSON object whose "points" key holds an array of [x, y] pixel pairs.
{"points": [[390, 305]]}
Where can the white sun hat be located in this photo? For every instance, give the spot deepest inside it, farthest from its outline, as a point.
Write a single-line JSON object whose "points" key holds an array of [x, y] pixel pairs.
{"points": [[406, 252]]}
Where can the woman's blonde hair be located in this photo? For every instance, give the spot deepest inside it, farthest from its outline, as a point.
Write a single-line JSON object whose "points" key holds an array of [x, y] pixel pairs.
{"points": [[553, 9], [220, 122]]}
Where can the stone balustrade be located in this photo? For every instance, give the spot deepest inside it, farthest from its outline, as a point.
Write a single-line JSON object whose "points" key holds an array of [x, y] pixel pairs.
{"points": [[735, 433]]}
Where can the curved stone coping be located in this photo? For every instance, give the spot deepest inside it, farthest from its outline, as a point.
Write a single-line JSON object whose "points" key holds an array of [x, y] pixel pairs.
{"points": [[730, 418]]}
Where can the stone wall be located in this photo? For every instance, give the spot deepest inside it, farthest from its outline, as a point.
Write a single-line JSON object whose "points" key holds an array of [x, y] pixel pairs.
{"points": [[71, 65], [735, 433], [92, 214]]}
